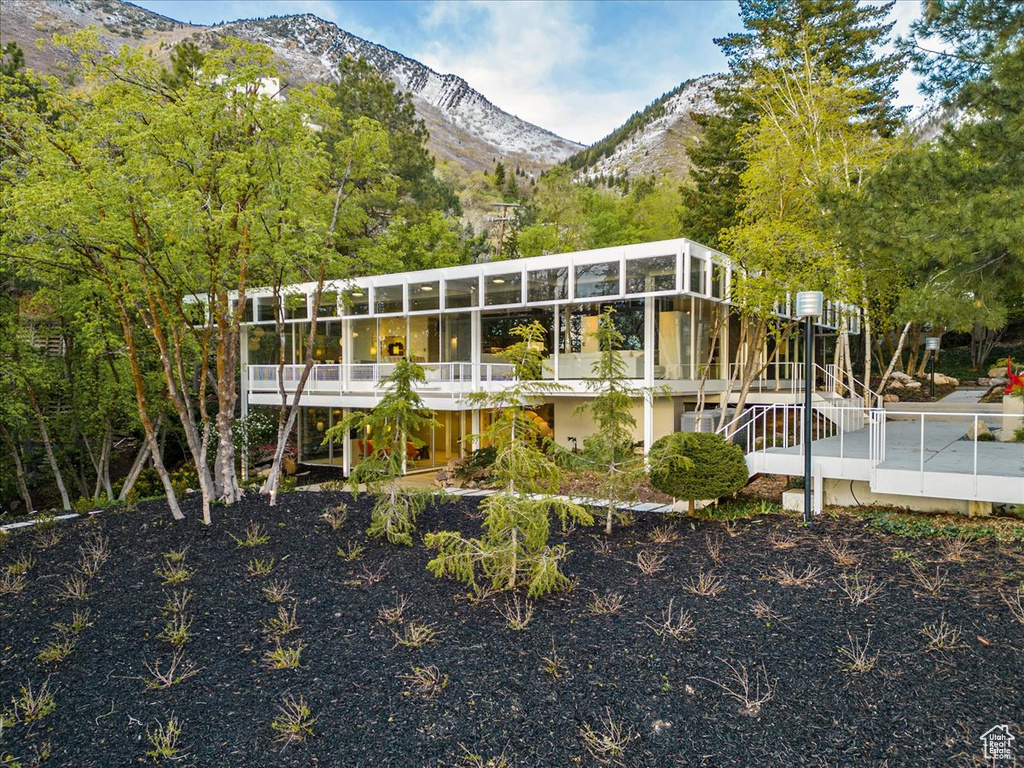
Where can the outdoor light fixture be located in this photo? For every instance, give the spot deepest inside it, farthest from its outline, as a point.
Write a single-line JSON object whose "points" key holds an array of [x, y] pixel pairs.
{"points": [[809, 305], [932, 343]]}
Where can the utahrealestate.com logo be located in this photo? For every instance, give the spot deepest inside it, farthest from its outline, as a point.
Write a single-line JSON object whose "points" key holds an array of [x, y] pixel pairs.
{"points": [[998, 743]]}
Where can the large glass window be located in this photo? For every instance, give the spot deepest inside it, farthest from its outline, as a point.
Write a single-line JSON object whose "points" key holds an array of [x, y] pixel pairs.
{"points": [[267, 309], [296, 306], [656, 273], [388, 299], [424, 338], [356, 301], [391, 338], [462, 293], [706, 315], [697, 271], [424, 296], [579, 348], [328, 304], [548, 284], [326, 344], [364, 341], [457, 338], [264, 345], [503, 289], [673, 338], [717, 281], [496, 330], [594, 280]]}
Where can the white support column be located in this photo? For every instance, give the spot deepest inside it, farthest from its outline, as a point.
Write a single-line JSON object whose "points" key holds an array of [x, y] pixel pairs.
{"points": [[243, 357], [476, 429], [648, 422], [649, 341], [346, 448], [474, 352], [556, 353]]}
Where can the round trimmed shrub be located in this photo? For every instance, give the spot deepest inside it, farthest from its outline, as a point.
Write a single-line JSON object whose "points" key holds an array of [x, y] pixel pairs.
{"points": [[697, 465]]}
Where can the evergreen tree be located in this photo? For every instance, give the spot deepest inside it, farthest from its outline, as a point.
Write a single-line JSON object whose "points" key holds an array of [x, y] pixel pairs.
{"points": [[391, 427], [514, 549]]}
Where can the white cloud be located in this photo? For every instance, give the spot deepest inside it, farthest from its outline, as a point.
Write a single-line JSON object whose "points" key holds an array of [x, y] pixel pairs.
{"points": [[523, 56]]}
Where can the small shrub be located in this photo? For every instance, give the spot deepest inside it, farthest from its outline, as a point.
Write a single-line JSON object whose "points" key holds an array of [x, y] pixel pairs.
{"points": [[929, 584], [856, 655], [79, 621], [553, 664], [425, 681], [176, 555], [260, 567], [176, 630], [606, 604], [751, 690], [858, 587], [415, 635], [294, 722], [282, 624], [394, 614], [335, 516], [283, 657], [955, 550], [277, 591], [516, 613], [764, 612], [57, 650], [21, 566], [697, 465], [31, 705], [781, 540], [11, 583], [787, 576], [351, 552], [610, 742], [177, 602], [73, 588], [178, 670], [47, 534], [942, 636], [663, 534], [164, 740], [477, 464], [174, 572], [649, 562], [714, 546], [840, 553], [1015, 602], [676, 625], [254, 536], [706, 585]]}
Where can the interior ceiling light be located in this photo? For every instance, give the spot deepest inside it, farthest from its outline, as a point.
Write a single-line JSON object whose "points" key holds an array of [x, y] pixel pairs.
{"points": [[426, 287], [358, 294], [498, 281]]}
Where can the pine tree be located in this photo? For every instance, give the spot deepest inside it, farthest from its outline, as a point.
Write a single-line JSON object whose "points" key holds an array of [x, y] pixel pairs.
{"points": [[391, 426], [513, 550]]}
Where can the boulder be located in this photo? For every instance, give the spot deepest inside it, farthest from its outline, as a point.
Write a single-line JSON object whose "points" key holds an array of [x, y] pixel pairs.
{"points": [[912, 385], [942, 380], [983, 432], [890, 398], [901, 377]]}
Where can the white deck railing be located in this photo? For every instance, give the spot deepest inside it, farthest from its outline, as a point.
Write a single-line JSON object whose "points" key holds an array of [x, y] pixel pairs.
{"points": [[919, 454], [337, 379]]}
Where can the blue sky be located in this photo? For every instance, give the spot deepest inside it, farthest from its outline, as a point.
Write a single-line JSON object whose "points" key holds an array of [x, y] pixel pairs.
{"points": [[577, 68]]}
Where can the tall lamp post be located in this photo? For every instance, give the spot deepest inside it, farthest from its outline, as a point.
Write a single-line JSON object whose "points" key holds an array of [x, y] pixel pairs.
{"points": [[808, 306], [931, 343]]}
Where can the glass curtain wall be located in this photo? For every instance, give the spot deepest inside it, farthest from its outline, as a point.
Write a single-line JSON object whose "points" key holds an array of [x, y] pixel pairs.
{"points": [[578, 345]]}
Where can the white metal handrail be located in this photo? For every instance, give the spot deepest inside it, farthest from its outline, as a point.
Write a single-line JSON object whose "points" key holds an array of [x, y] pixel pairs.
{"points": [[762, 428], [337, 378]]}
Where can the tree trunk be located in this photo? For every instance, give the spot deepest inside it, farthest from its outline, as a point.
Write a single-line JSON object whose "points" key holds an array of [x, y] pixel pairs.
{"points": [[896, 356], [867, 355], [19, 468], [138, 465], [48, 447]]}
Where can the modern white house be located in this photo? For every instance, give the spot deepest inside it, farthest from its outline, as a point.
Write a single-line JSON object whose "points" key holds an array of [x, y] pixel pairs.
{"points": [[668, 296]]}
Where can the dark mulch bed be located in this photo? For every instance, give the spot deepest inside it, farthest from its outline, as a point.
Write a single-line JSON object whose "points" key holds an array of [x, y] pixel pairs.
{"points": [[914, 708]]}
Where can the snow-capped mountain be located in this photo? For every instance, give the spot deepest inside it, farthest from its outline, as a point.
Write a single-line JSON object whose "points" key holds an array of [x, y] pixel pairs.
{"points": [[464, 125], [656, 139]]}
